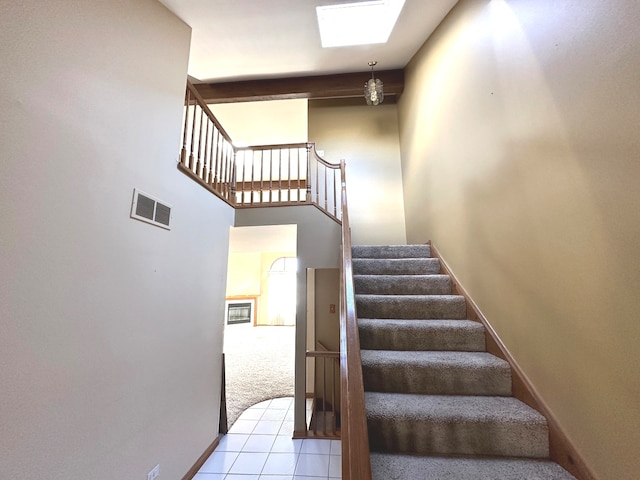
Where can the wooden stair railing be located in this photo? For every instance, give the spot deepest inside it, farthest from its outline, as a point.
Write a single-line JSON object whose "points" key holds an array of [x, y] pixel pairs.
{"points": [[356, 462], [325, 418], [256, 176]]}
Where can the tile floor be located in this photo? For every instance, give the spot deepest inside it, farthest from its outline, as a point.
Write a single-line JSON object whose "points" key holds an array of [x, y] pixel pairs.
{"points": [[259, 447]]}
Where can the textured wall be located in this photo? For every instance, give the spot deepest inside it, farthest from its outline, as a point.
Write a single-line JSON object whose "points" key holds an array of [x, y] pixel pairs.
{"points": [[111, 328], [520, 147]]}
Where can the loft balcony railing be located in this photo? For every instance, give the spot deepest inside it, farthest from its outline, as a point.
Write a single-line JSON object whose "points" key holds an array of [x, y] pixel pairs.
{"points": [[255, 176]]}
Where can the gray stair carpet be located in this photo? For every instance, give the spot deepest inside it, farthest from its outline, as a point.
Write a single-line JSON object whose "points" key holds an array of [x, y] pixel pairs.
{"points": [[438, 405]]}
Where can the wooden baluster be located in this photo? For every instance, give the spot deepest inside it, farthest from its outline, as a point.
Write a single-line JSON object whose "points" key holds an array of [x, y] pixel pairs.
{"points": [[317, 183], [271, 176], [183, 152], [205, 163], [308, 199], [223, 169], [193, 137], [233, 175], [288, 175], [324, 395], [216, 170], [211, 170], [326, 191], [198, 171], [299, 189], [261, 164], [241, 175], [253, 170], [280, 175], [333, 396], [228, 170], [335, 195]]}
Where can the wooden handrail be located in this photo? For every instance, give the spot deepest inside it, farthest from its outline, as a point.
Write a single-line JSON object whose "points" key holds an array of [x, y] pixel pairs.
{"points": [[356, 462]]}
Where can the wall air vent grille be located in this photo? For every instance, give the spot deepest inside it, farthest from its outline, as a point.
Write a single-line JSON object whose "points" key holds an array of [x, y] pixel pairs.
{"points": [[151, 210]]}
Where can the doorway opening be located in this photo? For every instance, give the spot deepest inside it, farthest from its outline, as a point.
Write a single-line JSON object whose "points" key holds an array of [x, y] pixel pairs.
{"points": [[259, 334]]}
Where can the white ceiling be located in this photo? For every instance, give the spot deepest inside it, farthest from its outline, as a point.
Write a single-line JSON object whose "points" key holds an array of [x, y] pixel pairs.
{"points": [[256, 39]]}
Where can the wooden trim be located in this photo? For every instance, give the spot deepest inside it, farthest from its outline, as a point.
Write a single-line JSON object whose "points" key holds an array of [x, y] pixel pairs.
{"points": [[187, 171], [356, 463], [561, 449], [201, 459], [341, 85]]}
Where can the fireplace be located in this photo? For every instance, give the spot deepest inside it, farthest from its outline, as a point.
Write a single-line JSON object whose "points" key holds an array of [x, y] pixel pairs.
{"points": [[239, 311]]}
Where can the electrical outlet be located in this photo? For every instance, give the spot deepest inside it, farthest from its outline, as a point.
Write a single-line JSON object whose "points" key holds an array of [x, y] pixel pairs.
{"points": [[153, 474]]}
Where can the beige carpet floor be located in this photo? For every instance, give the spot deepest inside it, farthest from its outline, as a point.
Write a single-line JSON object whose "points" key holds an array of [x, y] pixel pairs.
{"points": [[259, 365]]}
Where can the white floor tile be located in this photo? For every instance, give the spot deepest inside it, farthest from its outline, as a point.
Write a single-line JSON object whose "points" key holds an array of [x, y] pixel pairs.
{"points": [[314, 445], [281, 403], [336, 447], [232, 442], [232, 476], [280, 464], [312, 465], [259, 443], [219, 462], [286, 444], [209, 476], [286, 429], [267, 427], [335, 466], [276, 477], [243, 426], [273, 414], [252, 414], [249, 463]]}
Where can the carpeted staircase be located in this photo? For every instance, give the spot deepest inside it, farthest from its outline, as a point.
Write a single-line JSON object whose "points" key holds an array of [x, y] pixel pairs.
{"points": [[438, 405]]}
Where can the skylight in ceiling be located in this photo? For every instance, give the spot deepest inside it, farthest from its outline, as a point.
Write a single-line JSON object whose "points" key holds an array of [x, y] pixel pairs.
{"points": [[361, 23]]}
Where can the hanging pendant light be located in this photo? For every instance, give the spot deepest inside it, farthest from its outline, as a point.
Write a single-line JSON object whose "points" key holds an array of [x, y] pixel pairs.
{"points": [[373, 89]]}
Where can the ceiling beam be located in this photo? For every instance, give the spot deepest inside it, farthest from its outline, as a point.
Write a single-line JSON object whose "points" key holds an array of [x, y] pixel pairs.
{"points": [[343, 85]]}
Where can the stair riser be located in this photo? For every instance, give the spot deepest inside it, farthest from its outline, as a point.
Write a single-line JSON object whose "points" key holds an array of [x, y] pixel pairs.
{"points": [[382, 337], [391, 251], [402, 284], [422, 266], [430, 438], [437, 380], [405, 467], [410, 307]]}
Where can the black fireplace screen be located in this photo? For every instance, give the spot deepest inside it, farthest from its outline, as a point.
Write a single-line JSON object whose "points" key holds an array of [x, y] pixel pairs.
{"points": [[239, 313]]}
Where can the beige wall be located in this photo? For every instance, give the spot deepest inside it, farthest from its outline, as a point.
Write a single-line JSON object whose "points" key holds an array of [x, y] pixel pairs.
{"points": [[264, 123], [520, 146], [367, 138], [111, 328]]}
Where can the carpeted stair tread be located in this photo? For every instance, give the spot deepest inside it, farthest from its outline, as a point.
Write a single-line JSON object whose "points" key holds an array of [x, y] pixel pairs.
{"points": [[435, 373], [403, 284], [454, 425], [414, 334], [395, 266], [409, 467], [391, 251], [411, 306]]}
